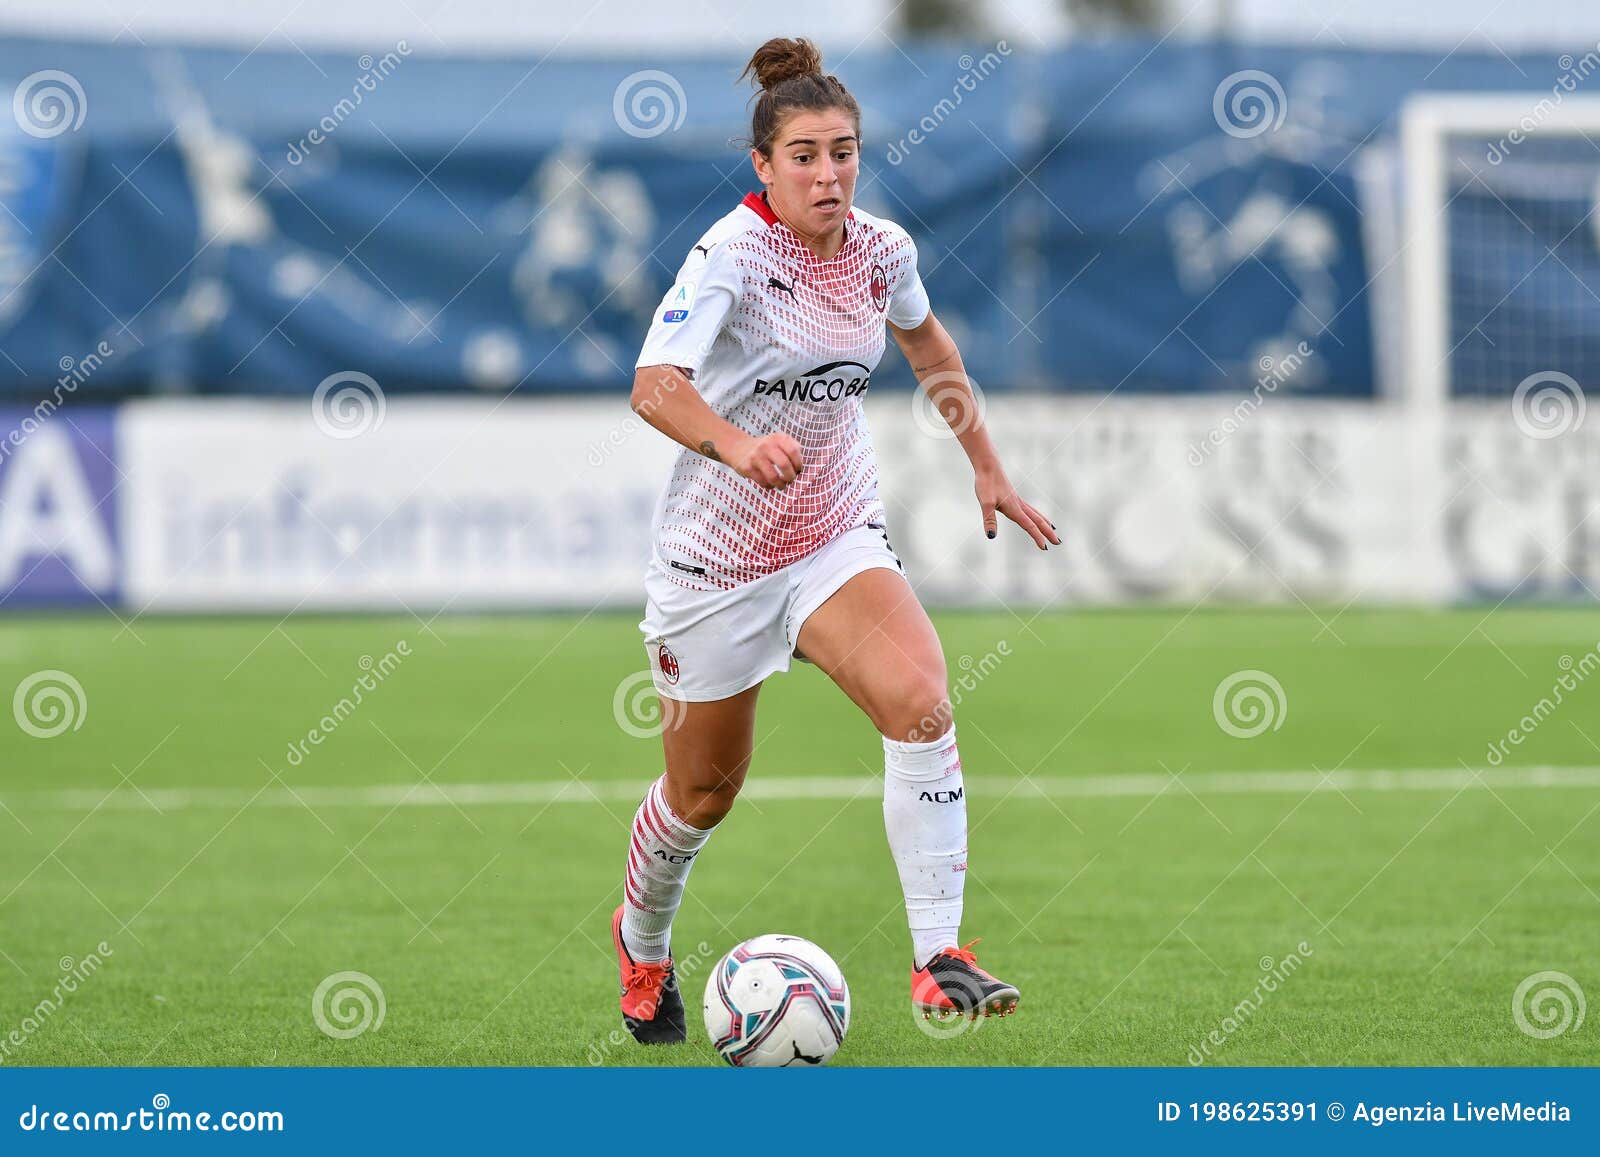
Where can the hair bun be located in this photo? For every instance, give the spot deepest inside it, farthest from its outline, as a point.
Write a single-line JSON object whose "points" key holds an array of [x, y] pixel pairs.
{"points": [[781, 59]]}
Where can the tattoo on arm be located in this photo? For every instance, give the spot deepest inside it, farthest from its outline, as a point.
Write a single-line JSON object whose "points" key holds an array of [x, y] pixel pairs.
{"points": [[933, 365], [709, 449]]}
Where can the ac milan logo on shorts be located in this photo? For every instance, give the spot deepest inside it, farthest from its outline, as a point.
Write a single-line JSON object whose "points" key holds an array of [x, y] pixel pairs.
{"points": [[880, 288], [669, 663]]}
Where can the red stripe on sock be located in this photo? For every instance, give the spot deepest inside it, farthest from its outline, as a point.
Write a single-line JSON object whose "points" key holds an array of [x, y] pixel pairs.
{"points": [[636, 902], [656, 823]]}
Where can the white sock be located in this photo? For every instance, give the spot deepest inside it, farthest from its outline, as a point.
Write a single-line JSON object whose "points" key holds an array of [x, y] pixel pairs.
{"points": [[925, 814], [661, 851]]}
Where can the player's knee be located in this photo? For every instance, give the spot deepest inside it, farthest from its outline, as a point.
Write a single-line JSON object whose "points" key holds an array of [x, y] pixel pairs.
{"points": [[705, 805], [919, 709]]}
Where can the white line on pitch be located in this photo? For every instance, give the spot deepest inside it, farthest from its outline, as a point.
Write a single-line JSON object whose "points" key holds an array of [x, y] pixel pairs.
{"points": [[817, 788]]}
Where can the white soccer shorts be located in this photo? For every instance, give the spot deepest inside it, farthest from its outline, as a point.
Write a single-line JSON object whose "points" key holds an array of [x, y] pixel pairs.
{"points": [[707, 645]]}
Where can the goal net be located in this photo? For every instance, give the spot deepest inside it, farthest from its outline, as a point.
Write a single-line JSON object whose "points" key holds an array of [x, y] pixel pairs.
{"points": [[1501, 244]]}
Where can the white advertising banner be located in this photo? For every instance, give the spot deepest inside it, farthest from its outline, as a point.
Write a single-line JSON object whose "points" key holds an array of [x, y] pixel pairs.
{"points": [[431, 504], [422, 504]]}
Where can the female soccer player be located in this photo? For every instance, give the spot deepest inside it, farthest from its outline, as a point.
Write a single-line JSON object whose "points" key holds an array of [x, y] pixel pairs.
{"points": [[769, 540]]}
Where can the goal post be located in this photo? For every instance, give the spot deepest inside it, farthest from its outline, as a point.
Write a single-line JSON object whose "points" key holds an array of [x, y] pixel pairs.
{"points": [[1500, 252]]}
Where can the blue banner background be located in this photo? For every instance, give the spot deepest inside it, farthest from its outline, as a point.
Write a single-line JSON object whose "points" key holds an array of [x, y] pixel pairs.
{"points": [[1083, 220], [828, 1110], [58, 483]]}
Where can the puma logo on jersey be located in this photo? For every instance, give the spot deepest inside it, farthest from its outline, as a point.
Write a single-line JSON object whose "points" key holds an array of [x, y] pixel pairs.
{"points": [[704, 250], [774, 283]]}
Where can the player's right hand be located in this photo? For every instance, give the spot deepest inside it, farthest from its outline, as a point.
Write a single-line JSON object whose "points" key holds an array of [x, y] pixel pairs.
{"points": [[772, 461]]}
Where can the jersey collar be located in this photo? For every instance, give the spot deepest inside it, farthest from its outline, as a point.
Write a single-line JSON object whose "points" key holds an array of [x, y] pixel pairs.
{"points": [[757, 203]]}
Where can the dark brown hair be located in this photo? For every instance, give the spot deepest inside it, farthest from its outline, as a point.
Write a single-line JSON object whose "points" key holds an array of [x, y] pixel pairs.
{"points": [[790, 75]]}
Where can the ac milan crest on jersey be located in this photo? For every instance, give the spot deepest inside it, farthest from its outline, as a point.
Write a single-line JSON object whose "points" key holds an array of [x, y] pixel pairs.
{"points": [[879, 288], [669, 663]]}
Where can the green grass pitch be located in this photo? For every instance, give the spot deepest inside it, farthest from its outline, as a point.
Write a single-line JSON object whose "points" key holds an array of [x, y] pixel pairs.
{"points": [[1135, 922]]}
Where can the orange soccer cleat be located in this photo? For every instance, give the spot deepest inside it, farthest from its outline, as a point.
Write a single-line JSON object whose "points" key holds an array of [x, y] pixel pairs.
{"points": [[952, 984], [652, 1008]]}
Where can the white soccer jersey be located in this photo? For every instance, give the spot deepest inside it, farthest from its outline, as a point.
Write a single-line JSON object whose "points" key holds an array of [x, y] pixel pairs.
{"points": [[776, 339]]}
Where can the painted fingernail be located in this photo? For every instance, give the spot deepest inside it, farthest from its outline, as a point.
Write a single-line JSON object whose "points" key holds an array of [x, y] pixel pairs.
{"points": [[990, 533]]}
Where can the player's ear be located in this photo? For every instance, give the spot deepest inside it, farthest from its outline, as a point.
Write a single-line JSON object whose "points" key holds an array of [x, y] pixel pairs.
{"points": [[762, 166]]}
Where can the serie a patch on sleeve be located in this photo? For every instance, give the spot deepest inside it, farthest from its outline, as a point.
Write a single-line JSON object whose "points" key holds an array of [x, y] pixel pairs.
{"points": [[679, 298]]}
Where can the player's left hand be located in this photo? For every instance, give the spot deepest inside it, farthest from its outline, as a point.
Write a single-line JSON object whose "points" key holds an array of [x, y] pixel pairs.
{"points": [[996, 494]]}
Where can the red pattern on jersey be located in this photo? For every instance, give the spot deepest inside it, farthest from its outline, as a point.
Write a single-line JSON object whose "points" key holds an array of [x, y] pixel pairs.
{"points": [[820, 313]]}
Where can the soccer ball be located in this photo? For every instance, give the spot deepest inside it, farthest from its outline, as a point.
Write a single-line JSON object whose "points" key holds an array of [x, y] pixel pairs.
{"points": [[775, 1001]]}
